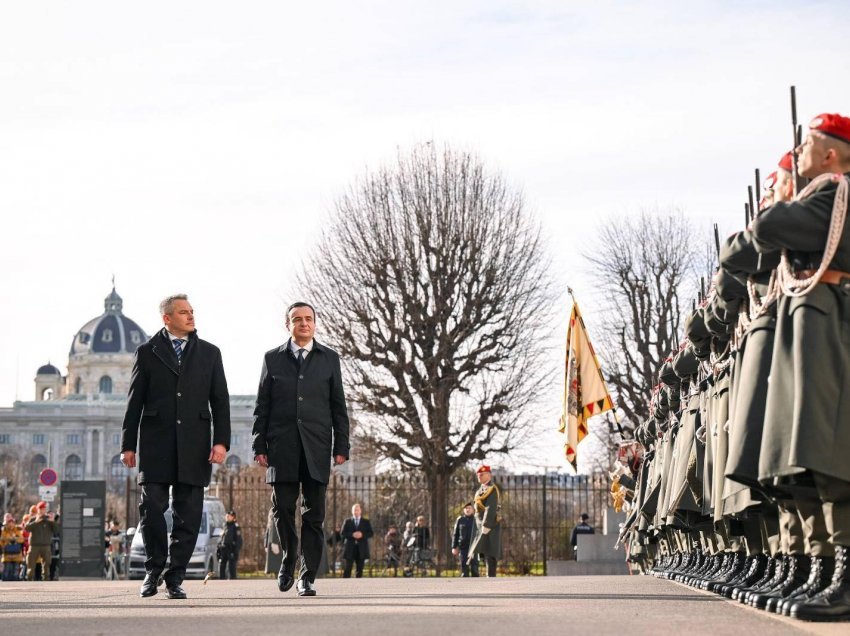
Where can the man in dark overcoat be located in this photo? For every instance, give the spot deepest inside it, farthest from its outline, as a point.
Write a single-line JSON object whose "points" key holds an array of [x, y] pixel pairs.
{"points": [[806, 436], [178, 418], [300, 426], [356, 532], [488, 517]]}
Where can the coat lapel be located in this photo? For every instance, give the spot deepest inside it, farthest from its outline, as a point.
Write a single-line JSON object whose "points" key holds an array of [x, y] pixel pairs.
{"points": [[162, 349]]}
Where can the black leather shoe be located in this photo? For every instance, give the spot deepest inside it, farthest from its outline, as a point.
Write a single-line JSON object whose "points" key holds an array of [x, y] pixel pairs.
{"points": [[305, 588], [285, 581], [173, 590], [149, 585]]}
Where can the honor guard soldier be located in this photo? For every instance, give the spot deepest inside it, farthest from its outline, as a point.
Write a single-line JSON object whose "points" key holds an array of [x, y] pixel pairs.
{"points": [[807, 407], [488, 516]]}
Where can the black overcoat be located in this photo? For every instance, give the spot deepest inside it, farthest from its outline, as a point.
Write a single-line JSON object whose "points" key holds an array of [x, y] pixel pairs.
{"points": [[176, 413], [356, 549], [300, 410]]}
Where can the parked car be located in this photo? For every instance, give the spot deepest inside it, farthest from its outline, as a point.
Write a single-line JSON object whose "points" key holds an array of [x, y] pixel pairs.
{"points": [[203, 558]]}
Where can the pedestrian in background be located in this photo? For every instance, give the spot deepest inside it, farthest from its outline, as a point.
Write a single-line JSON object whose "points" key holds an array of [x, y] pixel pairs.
{"points": [[582, 528], [462, 537], [23, 526], [56, 549], [41, 530], [392, 544], [12, 548], [356, 532], [229, 547]]}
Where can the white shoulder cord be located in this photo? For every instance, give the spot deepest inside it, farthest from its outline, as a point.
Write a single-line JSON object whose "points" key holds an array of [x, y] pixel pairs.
{"points": [[797, 287]]}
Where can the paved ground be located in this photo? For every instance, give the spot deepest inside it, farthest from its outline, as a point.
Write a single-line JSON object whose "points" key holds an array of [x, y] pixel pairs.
{"points": [[517, 606]]}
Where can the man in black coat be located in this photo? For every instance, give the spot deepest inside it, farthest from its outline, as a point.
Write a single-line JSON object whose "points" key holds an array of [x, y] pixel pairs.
{"points": [[356, 533], [462, 537], [300, 426], [178, 393], [229, 547]]}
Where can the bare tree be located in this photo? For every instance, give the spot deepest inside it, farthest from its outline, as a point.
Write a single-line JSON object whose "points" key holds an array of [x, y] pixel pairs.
{"points": [[644, 267], [432, 283]]}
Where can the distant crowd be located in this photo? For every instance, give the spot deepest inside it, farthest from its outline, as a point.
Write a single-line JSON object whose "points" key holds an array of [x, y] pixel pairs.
{"points": [[30, 548]]}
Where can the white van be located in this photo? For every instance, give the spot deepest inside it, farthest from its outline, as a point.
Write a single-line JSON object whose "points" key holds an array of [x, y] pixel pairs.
{"points": [[203, 558]]}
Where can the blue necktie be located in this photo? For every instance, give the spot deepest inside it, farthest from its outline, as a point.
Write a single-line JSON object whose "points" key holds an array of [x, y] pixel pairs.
{"points": [[178, 349], [300, 357]]}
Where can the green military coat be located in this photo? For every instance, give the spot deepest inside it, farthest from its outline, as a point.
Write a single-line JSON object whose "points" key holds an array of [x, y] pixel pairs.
{"points": [[807, 417], [488, 514], [739, 257]]}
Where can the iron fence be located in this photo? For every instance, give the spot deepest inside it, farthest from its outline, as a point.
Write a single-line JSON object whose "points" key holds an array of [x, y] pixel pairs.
{"points": [[538, 514]]}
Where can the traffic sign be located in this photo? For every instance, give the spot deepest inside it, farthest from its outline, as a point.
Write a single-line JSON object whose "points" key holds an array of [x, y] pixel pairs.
{"points": [[48, 477], [47, 493]]}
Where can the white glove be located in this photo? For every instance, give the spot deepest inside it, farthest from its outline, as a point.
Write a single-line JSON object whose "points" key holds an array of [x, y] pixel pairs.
{"points": [[485, 530], [275, 548]]}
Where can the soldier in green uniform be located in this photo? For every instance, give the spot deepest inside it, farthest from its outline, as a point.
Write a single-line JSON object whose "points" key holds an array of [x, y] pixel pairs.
{"points": [[807, 437], [488, 517]]}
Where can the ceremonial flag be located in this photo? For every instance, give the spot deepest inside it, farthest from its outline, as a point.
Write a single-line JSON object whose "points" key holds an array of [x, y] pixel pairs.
{"points": [[585, 393]]}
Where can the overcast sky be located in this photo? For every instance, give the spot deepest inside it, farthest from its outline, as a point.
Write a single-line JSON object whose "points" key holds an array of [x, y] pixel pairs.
{"points": [[199, 146]]}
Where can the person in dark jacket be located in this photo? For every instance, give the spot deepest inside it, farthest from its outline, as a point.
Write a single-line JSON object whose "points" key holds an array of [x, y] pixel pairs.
{"points": [[392, 543], [356, 532], [300, 426], [178, 417], [41, 530], [581, 528], [462, 537], [229, 547]]}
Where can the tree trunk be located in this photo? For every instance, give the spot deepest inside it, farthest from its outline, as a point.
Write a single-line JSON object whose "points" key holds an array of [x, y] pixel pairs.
{"points": [[438, 484]]}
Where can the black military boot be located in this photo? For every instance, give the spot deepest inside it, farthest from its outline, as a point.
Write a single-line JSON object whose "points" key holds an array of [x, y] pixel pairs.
{"points": [[752, 568], [739, 567], [833, 603], [758, 565], [772, 566], [820, 576], [733, 569], [780, 573], [723, 568], [797, 570], [715, 567]]}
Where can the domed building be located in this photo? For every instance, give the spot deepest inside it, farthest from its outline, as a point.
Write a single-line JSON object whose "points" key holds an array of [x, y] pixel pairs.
{"points": [[101, 355]]}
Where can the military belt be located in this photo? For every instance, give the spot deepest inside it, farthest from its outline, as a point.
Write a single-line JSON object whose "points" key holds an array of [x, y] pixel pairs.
{"points": [[830, 276]]}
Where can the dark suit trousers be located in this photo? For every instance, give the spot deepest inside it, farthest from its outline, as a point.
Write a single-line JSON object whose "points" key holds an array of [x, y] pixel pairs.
{"points": [[187, 506], [284, 499], [346, 573]]}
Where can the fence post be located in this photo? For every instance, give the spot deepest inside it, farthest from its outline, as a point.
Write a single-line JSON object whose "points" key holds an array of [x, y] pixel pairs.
{"points": [[545, 528], [335, 542], [230, 480]]}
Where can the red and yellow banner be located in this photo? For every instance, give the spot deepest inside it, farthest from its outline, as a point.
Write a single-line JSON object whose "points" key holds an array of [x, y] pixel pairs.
{"points": [[585, 392]]}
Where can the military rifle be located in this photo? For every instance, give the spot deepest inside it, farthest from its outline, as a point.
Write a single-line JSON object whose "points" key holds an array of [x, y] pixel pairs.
{"points": [[758, 186], [796, 180], [752, 206], [717, 241]]}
